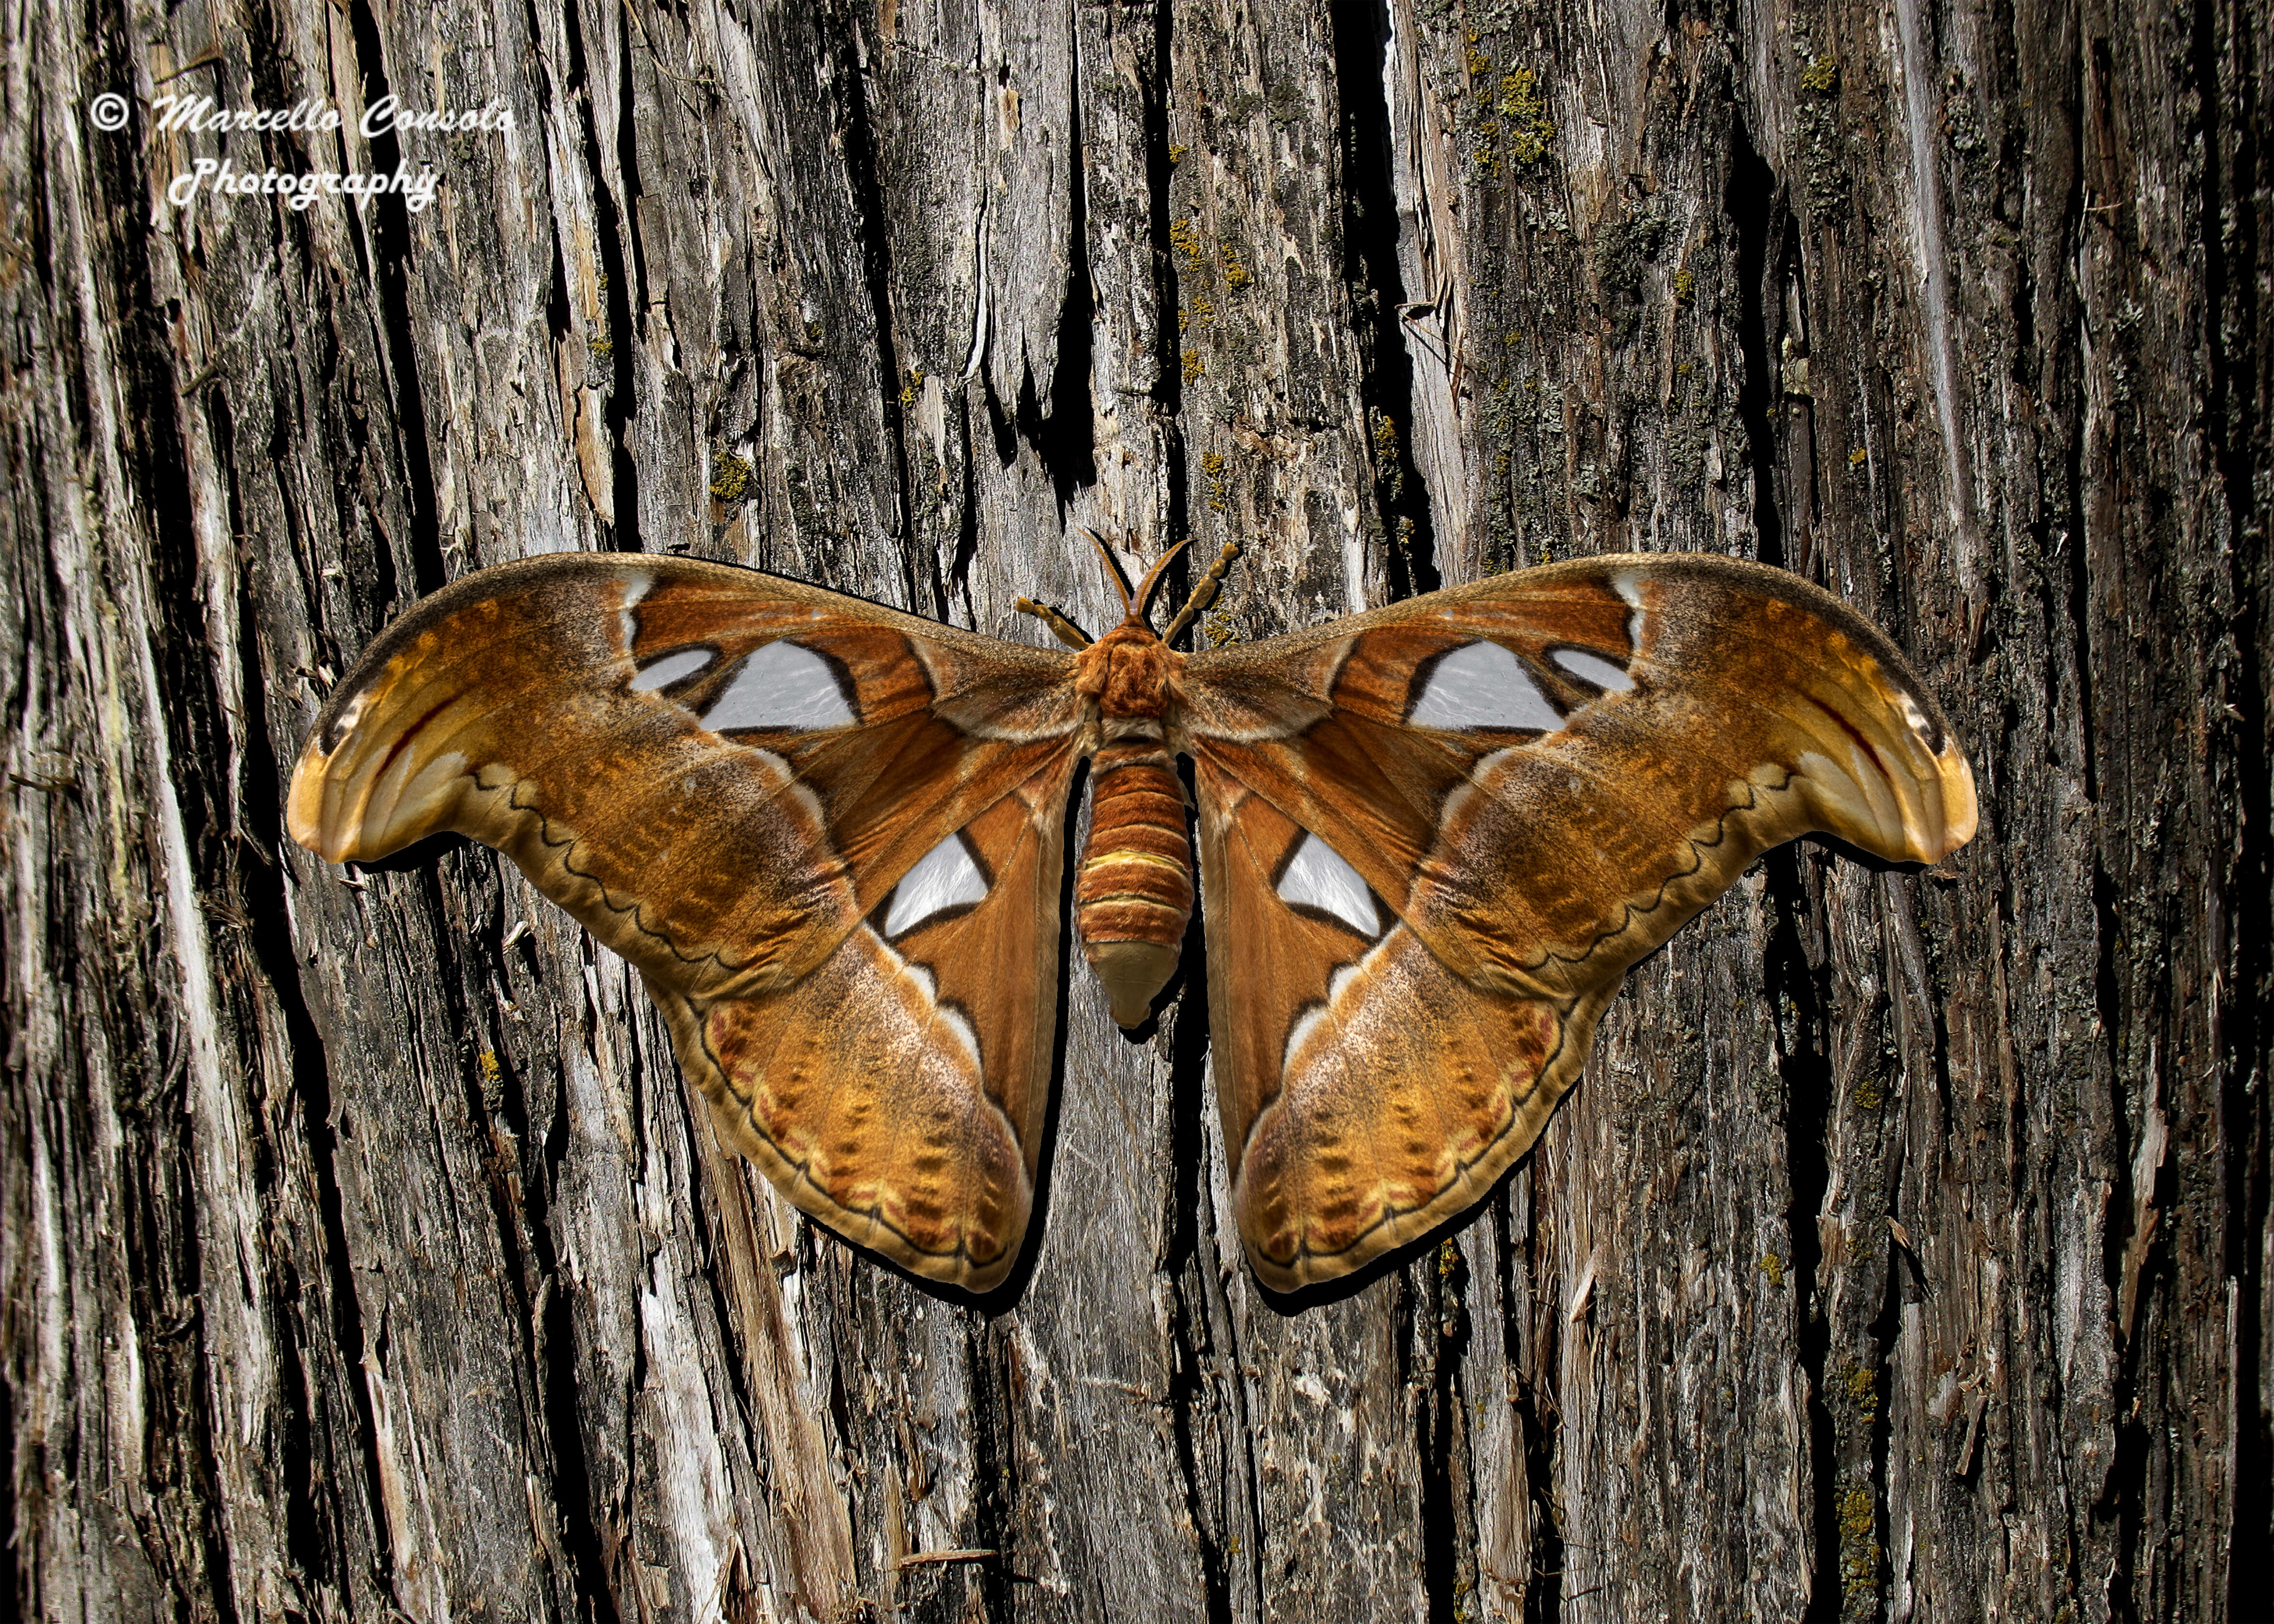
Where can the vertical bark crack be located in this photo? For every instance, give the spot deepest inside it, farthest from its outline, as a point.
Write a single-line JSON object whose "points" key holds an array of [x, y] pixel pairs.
{"points": [[856, 126], [1378, 295], [390, 271], [1448, 1542], [2239, 362], [1792, 984], [1756, 207], [1065, 439], [1168, 388], [612, 229], [1203, 1336]]}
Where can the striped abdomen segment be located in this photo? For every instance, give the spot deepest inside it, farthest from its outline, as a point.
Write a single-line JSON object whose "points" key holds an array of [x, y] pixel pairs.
{"points": [[1134, 893]]}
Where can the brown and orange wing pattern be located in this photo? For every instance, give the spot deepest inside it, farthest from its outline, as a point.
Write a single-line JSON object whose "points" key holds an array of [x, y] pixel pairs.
{"points": [[829, 835], [1434, 838]]}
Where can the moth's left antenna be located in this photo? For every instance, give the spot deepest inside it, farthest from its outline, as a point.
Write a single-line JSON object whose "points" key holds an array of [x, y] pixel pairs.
{"points": [[1144, 603], [1112, 570], [1067, 631]]}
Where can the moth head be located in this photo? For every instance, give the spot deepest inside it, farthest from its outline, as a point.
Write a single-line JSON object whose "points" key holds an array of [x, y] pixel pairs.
{"points": [[1125, 673]]}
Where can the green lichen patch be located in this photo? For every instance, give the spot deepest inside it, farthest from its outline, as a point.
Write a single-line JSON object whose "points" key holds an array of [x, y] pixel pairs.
{"points": [[1863, 1391], [730, 477], [492, 1072], [1525, 109], [1219, 474], [1859, 1551], [1388, 456], [1512, 127]]}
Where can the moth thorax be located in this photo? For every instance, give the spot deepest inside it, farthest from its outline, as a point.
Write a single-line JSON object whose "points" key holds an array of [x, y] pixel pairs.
{"points": [[1134, 892]]}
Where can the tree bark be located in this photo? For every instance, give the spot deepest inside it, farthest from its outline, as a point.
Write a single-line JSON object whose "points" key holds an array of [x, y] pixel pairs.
{"points": [[1903, 1254]]}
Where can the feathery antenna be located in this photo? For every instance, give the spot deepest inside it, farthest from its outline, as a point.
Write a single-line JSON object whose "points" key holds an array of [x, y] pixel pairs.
{"points": [[1144, 603], [1112, 570], [1204, 591]]}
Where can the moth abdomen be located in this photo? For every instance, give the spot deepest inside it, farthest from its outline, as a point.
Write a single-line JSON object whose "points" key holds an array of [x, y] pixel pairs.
{"points": [[1134, 892]]}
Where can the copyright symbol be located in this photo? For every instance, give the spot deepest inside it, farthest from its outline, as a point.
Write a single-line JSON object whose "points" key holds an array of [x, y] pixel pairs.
{"points": [[109, 111]]}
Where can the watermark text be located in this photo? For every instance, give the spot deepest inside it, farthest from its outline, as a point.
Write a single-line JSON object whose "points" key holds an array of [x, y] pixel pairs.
{"points": [[174, 114]]}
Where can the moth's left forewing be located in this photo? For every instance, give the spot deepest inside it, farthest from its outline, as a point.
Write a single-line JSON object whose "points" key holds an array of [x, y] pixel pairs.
{"points": [[1541, 776], [709, 767], [1368, 1091]]}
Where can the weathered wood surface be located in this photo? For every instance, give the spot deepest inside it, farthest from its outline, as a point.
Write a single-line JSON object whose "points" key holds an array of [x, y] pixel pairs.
{"points": [[1904, 1253]]}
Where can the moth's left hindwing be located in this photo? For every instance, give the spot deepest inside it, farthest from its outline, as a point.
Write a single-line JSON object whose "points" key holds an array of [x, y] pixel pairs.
{"points": [[830, 837], [1434, 838]]}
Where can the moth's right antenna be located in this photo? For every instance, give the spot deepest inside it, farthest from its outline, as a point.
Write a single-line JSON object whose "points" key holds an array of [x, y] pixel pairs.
{"points": [[1204, 593], [1142, 605]]}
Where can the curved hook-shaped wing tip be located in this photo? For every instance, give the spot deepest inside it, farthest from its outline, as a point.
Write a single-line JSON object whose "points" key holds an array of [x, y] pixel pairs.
{"points": [[1961, 808], [303, 803]]}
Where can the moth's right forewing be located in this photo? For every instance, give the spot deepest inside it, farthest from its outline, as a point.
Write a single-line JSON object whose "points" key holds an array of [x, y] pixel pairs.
{"points": [[727, 778]]}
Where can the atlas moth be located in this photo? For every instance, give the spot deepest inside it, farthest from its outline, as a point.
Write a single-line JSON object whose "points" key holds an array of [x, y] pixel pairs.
{"points": [[1431, 839]]}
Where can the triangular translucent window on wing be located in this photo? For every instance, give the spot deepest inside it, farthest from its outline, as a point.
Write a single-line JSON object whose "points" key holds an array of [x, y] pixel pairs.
{"points": [[781, 686], [1317, 877], [673, 667], [1593, 668], [943, 878], [1482, 685]]}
